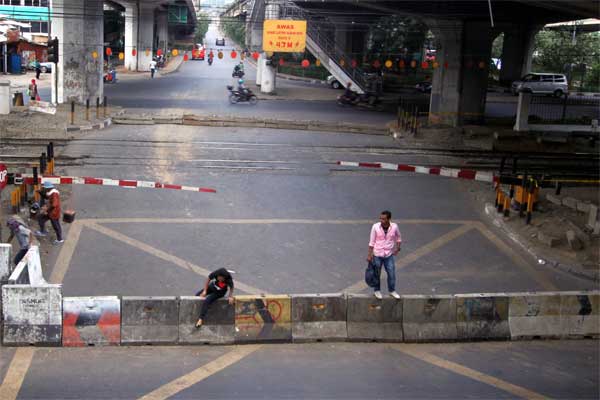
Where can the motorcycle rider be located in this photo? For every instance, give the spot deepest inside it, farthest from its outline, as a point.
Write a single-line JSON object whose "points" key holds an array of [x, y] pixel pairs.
{"points": [[244, 91], [211, 55], [238, 70], [349, 94]]}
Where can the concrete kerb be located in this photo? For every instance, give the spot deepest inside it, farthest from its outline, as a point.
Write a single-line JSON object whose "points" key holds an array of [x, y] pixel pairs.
{"points": [[39, 315], [225, 121], [575, 270], [98, 126]]}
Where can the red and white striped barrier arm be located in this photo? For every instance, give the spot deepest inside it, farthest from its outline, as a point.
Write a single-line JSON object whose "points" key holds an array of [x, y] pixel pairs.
{"points": [[75, 180], [448, 172]]}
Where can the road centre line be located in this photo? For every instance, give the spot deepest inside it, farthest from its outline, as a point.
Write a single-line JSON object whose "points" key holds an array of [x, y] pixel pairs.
{"points": [[15, 375], [200, 374], [166, 256], [418, 253], [416, 352]]}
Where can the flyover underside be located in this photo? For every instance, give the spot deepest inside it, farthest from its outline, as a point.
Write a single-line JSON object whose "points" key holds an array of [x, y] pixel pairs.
{"points": [[503, 11]]}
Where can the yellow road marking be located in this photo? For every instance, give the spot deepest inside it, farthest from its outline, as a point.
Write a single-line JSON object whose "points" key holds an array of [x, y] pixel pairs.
{"points": [[538, 276], [420, 252], [416, 352], [66, 253], [166, 256], [268, 221], [200, 374], [9, 390]]}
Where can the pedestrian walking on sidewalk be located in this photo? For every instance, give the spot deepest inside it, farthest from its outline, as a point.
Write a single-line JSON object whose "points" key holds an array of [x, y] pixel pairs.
{"points": [[215, 287], [384, 244], [24, 236], [50, 212], [33, 91], [152, 68], [38, 69]]}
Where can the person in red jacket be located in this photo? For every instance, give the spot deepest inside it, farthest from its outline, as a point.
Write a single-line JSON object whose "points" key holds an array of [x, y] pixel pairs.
{"points": [[50, 211]]}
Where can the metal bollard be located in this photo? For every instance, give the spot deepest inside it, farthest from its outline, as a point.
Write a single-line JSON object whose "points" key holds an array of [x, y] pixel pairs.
{"points": [[531, 190], [72, 112], [105, 104], [87, 109], [97, 107], [43, 163], [523, 194]]}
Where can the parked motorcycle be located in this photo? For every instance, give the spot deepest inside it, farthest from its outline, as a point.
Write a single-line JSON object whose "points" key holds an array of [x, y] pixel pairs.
{"points": [[237, 96]]}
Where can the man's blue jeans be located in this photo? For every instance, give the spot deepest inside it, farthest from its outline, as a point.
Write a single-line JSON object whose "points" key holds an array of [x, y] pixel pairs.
{"points": [[390, 270]]}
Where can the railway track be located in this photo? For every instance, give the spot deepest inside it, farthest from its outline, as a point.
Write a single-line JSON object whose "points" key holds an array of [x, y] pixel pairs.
{"points": [[250, 154]]}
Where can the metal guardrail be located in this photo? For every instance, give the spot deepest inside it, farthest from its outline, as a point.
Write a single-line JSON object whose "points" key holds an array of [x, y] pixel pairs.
{"points": [[568, 109]]}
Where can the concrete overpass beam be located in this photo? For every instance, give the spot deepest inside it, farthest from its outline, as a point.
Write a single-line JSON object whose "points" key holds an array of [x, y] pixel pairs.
{"points": [[459, 86], [79, 26], [145, 37], [446, 84], [477, 50], [517, 52], [131, 36], [162, 30]]}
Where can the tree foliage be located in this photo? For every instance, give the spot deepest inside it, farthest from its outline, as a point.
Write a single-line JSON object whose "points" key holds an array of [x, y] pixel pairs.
{"points": [[201, 27], [565, 51], [236, 30], [396, 35]]}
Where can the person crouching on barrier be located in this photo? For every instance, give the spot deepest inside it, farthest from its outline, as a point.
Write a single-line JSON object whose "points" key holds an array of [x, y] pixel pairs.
{"points": [[215, 287]]}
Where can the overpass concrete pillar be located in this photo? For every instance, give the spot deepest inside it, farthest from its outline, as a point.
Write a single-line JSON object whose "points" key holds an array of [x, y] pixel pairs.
{"points": [[131, 36], [446, 84], [145, 37], [459, 86], [162, 30], [79, 26], [517, 52], [269, 73]]}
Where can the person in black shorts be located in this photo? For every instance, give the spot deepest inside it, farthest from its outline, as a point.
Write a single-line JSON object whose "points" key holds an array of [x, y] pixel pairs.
{"points": [[215, 287]]}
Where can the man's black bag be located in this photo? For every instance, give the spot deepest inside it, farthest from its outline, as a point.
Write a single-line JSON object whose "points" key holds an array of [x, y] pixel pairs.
{"points": [[370, 278]]}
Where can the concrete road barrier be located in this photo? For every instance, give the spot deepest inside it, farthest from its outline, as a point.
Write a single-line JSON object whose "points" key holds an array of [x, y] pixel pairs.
{"points": [[534, 315], [319, 317], [149, 320], [32, 315], [482, 317], [580, 314], [374, 320], [429, 318], [91, 321], [218, 327], [263, 319]]}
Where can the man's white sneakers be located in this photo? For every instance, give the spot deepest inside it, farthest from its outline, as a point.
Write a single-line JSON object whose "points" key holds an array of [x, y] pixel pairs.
{"points": [[378, 295], [395, 295]]}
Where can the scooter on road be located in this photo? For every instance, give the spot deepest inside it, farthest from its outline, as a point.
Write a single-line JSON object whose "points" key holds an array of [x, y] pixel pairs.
{"points": [[238, 96]]}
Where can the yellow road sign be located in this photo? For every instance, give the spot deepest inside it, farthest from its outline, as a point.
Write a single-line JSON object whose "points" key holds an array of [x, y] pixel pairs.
{"points": [[286, 36]]}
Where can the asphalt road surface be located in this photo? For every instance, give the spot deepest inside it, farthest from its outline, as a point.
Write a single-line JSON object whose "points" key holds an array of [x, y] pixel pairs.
{"points": [[287, 219], [526, 370]]}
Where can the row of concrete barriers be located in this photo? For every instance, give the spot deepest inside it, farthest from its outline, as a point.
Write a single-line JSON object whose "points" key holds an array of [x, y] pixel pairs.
{"points": [[40, 315]]}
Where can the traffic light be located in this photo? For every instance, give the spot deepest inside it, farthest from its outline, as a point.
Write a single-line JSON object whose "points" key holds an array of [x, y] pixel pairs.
{"points": [[53, 50]]}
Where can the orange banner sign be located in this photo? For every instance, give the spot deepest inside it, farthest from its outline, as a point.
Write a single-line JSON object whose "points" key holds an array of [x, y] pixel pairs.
{"points": [[285, 36]]}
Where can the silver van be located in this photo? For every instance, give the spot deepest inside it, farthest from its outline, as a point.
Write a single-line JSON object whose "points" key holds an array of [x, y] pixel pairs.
{"points": [[555, 84]]}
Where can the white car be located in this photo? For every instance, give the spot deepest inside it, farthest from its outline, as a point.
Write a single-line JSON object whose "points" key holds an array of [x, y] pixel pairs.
{"points": [[547, 83], [334, 83]]}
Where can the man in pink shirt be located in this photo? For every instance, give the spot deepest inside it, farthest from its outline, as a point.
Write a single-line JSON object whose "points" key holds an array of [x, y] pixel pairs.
{"points": [[384, 244]]}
